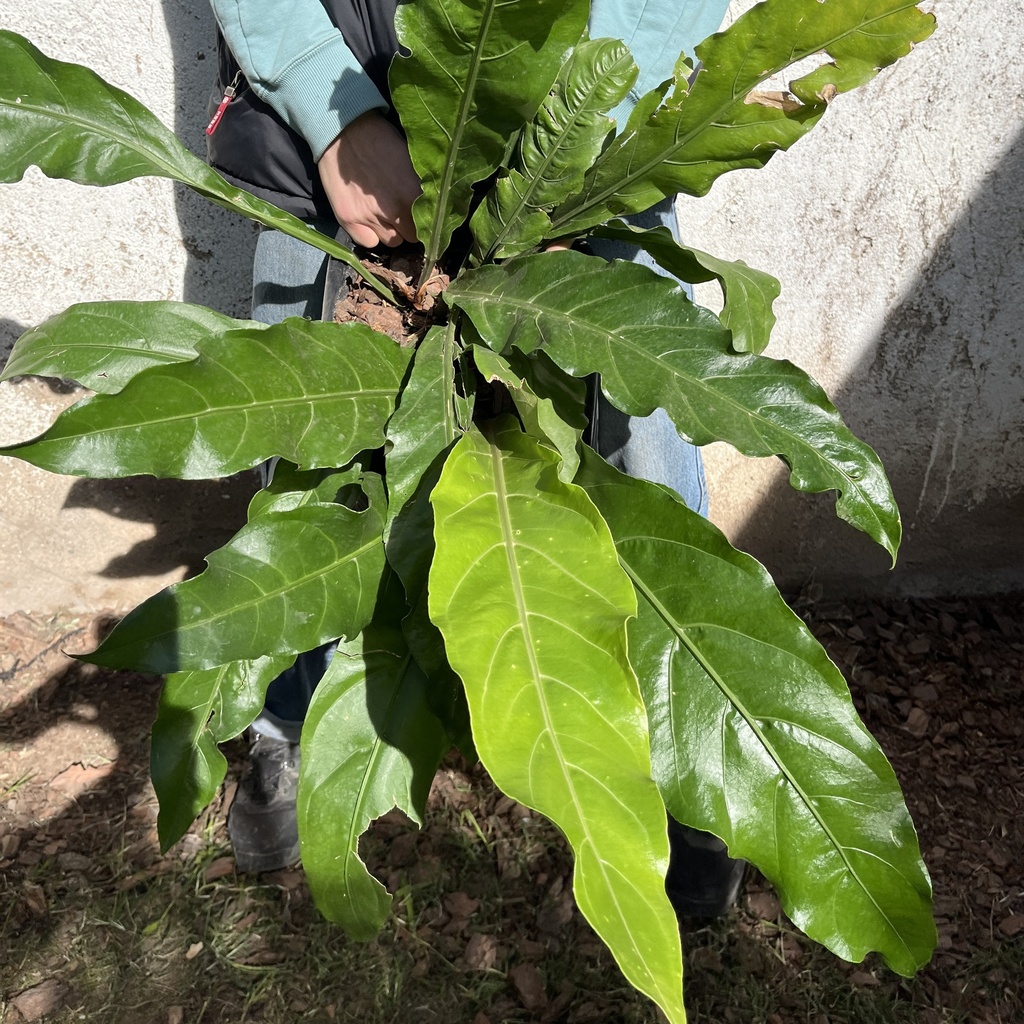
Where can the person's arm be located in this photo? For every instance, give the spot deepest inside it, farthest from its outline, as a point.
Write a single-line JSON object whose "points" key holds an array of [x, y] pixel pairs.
{"points": [[297, 61]]}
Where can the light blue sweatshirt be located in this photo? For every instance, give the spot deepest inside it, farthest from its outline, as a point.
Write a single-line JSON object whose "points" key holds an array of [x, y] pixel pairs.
{"points": [[297, 61]]}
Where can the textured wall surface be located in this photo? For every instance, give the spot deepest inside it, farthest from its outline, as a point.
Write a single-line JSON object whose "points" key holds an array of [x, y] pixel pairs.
{"points": [[83, 545], [895, 228]]}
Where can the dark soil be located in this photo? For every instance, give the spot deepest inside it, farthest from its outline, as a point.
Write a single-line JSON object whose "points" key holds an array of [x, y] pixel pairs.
{"points": [[484, 929]]}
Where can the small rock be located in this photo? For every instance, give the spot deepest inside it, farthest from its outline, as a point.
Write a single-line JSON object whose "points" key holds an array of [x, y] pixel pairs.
{"points": [[175, 1014], [36, 1002], [193, 951]]}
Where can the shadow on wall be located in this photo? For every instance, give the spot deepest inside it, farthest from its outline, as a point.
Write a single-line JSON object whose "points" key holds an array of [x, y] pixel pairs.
{"points": [[10, 331], [219, 243], [940, 396]]}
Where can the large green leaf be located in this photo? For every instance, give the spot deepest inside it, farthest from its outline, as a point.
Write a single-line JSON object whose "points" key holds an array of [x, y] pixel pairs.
{"points": [[292, 487], [557, 148], [369, 743], [314, 393], [197, 711], [654, 348], [540, 416], [285, 583], [70, 123], [700, 132], [477, 72], [754, 736], [426, 420], [748, 293], [102, 345], [532, 604]]}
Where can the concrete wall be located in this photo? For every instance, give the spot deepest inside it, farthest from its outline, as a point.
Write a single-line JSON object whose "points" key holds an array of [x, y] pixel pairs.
{"points": [[84, 545], [895, 228]]}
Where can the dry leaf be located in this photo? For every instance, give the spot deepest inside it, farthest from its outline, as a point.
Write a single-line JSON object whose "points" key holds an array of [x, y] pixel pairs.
{"points": [[777, 100]]}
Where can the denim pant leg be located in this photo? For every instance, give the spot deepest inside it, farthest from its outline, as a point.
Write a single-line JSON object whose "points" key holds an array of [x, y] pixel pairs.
{"points": [[649, 447], [288, 280]]}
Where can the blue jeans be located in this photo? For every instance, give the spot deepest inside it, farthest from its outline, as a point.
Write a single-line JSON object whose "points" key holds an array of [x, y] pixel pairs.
{"points": [[288, 280]]}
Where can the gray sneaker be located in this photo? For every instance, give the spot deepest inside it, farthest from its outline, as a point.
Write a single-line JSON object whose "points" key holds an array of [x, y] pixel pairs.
{"points": [[262, 822]]}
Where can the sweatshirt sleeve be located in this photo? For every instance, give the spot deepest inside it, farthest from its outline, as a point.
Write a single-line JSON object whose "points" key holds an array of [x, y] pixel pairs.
{"points": [[296, 60], [656, 32]]}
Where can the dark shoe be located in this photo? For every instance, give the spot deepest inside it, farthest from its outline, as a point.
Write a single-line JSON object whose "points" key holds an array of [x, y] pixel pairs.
{"points": [[703, 880], [262, 821]]}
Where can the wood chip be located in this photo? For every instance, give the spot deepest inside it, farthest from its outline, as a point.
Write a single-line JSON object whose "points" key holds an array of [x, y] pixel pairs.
{"points": [[220, 868], [36, 1002], [917, 722], [1012, 925], [863, 980], [481, 953], [529, 986]]}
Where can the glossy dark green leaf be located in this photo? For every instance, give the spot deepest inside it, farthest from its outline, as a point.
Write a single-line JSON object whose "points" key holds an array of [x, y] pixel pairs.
{"points": [[197, 711], [292, 487], [102, 345], [556, 148], [477, 72], [748, 293], [70, 123], [532, 603], [754, 736], [369, 743], [717, 125], [426, 420], [539, 415], [285, 583], [654, 348], [315, 393]]}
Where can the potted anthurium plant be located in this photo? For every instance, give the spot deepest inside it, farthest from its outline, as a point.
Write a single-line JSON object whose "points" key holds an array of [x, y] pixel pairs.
{"points": [[603, 649]]}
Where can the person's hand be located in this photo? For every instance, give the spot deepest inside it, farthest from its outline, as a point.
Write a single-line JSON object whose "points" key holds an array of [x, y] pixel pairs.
{"points": [[370, 182]]}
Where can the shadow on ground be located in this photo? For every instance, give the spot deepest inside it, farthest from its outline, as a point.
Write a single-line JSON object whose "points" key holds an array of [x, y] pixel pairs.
{"points": [[484, 929]]}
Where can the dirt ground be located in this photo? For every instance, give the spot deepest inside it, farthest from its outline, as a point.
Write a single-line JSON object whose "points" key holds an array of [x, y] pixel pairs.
{"points": [[96, 925]]}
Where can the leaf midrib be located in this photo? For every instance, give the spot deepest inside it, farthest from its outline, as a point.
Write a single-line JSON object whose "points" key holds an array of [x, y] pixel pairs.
{"points": [[668, 151], [204, 623], [441, 211], [622, 339], [509, 545], [693, 648]]}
